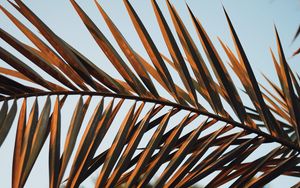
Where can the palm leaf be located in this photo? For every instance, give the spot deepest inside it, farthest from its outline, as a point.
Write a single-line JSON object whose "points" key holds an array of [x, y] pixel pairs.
{"points": [[180, 138]]}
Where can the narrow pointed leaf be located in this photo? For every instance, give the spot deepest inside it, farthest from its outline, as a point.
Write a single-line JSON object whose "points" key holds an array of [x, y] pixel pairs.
{"points": [[8, 121], [116, 147], [128, 51], [151, 50], [54, 145], [21, 67], [85, 142], [175, 53], [288, 89], [110, 52], [196, 61], [3, 112], [16, 169], [72, 134], [153, 143], [169, 143], [40, 132], [56, 42], [268, 118], [273, 173], [35, 59], [180, 155], [47, 52], [130, 149]]}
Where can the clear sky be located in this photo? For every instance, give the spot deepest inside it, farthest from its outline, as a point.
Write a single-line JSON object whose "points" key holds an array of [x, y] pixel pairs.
{"points": [[253, 20]]}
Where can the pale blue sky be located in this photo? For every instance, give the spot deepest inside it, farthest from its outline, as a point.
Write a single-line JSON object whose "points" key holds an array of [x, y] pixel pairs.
{"points": [[253, 20]]}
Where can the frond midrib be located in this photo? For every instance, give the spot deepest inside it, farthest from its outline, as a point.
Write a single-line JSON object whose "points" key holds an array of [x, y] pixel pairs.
{"points": [[269, 137]]}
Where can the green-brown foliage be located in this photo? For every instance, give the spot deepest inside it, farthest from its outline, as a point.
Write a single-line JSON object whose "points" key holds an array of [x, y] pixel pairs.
{"points": [[208, 137]]}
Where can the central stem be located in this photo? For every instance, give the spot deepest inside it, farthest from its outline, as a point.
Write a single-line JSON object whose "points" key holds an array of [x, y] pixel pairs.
{"points": [[165, 103]]}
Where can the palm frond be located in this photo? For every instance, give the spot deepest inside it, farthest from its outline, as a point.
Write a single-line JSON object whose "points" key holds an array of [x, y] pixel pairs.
{"points": [[181, 138]]}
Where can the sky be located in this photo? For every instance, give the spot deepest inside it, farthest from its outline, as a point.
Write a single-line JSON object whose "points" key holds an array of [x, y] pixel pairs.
{"points": [[253, 20]]}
